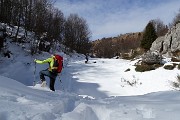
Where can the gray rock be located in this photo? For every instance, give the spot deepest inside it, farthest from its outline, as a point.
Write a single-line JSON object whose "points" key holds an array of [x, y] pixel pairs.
{"points": [[152, 57], [168, 43], [158, 44]]}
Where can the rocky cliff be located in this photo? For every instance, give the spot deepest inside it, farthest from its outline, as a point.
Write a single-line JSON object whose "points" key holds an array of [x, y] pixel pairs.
{"points": [[169, 43]]}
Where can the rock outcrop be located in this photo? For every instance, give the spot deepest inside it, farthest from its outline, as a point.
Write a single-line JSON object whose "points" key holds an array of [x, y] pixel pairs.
{"points": [[168, 43]]}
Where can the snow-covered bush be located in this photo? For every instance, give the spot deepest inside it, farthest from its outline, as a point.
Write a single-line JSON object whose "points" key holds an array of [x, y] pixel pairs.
{"points": [[176, 84]]}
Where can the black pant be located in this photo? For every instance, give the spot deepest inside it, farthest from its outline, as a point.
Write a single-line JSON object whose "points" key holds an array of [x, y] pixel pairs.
{"points": [[51, 75], [51, 85]]}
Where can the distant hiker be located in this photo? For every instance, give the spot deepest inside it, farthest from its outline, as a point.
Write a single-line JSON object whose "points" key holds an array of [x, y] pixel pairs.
{"points": [[55, 67], [86, 58]]}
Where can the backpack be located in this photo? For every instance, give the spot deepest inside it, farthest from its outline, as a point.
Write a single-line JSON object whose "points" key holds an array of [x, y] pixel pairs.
{"points": [[58, 64]]}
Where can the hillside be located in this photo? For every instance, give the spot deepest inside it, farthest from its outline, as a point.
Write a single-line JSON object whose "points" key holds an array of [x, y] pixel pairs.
{"points": [[116, 45]]}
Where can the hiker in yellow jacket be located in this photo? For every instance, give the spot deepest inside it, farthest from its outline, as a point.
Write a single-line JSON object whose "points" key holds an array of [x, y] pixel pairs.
{"points": [[50, 72]]}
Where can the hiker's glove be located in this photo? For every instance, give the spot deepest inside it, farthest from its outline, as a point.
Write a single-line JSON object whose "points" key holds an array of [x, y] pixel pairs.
{"points": [[35, 60]]}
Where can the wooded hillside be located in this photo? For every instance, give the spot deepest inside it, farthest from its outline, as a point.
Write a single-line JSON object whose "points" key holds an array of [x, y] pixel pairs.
{"points": [[110, 47]]}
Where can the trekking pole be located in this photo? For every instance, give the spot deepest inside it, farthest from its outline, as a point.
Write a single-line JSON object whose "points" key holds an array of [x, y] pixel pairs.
{"points": [[61, 83], [34, 82]]}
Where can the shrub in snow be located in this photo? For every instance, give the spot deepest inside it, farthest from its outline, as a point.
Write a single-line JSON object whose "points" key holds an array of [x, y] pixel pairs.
{"points": [[178, 66], [142, 67], [133, 82], [125, 56], [174, 59], [170, 67], [176, 84]]}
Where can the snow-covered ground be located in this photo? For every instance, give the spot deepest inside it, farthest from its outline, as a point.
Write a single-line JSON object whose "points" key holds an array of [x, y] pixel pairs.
{"points": [[99, 90], [107, 77]]}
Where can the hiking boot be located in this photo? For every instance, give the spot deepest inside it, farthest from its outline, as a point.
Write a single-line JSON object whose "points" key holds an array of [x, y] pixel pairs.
{"points": [[43, 84]]}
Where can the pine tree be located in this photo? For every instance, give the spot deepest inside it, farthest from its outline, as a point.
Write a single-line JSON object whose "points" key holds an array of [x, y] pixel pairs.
{"points": [[149, 36]]}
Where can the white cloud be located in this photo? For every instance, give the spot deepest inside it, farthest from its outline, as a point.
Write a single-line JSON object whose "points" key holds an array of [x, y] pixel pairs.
{"points": [[110, 18]]}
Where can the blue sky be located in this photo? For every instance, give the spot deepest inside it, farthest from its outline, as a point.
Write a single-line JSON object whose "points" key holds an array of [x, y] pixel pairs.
{"points": [[109, 18]]}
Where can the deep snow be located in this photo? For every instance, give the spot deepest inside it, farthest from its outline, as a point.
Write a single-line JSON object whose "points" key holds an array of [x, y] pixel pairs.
{"points": [[99, 90]]}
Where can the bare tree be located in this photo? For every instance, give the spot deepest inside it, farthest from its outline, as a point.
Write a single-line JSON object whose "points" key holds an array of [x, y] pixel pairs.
{"points": [[55, 25], [176, 19], [160, 27], [77, 34]]}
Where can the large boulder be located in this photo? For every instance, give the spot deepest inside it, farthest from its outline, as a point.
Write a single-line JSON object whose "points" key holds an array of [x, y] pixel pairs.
{"points": [[152, 58]]}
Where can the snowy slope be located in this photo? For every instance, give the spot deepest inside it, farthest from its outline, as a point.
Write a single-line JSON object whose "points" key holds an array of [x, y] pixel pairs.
{"points": [[19, 102], [99, 90]]}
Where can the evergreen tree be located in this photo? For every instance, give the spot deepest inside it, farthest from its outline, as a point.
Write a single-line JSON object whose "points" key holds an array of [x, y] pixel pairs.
{"points": [[149, 36]]}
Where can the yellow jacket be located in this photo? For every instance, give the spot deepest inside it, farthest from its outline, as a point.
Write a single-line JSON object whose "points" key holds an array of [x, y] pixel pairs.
{"points": [[48, 60]]}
